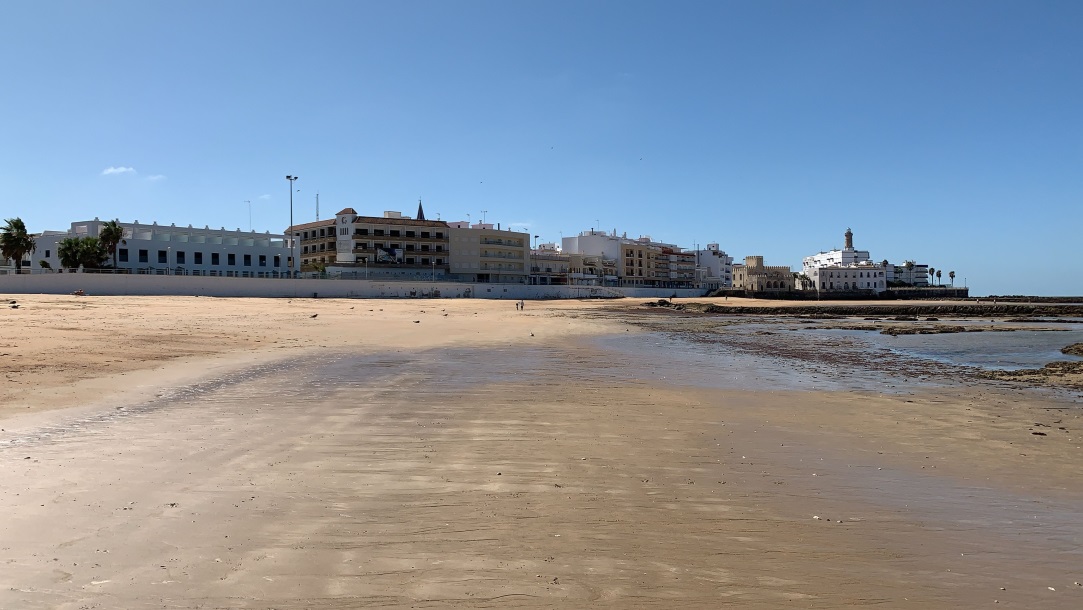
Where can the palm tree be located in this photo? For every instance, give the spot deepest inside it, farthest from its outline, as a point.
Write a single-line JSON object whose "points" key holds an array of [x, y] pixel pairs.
{"points": [[92, 253], [951, 276], [111, 234], [68, 250], [15, 242], [938, 272], [910, 271], [884, 263], [932, 274], [88, 252]]}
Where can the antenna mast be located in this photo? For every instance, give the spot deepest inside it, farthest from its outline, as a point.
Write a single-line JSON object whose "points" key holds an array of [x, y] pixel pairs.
{"points": [[317, 205]]}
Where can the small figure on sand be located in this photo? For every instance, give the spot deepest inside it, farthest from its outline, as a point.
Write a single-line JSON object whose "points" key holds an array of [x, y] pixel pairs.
{"points": [[522, 305], [517, 306]]}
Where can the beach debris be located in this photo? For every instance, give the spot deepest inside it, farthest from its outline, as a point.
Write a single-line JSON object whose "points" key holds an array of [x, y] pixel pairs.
{"points": [[15, 306], [1051, 588], [78, 293], [314, 315], [417, 321]]}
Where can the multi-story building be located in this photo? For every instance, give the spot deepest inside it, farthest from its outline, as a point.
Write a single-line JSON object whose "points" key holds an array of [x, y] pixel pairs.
{"points": [[482, 253], [550, 266], [754, 276], [847, 269], [159, 249], [917, 276], [714, 268], [317, 243], [612, 260]]}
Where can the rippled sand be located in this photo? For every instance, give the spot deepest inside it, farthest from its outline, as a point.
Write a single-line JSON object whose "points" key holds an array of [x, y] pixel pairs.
{"points": [[364, 459]]}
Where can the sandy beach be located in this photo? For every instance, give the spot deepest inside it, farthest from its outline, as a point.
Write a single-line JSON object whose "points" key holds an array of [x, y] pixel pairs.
{"points": [[258, 453]]}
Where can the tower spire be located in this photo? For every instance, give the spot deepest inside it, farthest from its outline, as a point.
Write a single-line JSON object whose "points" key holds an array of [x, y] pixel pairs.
{"points": [[420, 210]]}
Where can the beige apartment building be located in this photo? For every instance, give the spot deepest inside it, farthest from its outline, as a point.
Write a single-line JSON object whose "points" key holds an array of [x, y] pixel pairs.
{"points": [[608, 259], [317, 241], [481, 253]]}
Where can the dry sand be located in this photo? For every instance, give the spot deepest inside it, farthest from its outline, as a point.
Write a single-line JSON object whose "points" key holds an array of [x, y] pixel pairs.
{"points": [[192, 452]]}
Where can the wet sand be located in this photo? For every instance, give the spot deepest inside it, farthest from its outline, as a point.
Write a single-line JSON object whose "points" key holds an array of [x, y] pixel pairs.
{"points": [[478, 466]]}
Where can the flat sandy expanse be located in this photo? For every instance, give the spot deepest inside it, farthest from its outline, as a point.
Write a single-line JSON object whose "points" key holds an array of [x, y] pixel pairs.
{"points": [[203, 453]]}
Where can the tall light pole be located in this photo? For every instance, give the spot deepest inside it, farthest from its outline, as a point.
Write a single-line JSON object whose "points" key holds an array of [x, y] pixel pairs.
{"points": [[293, 246], [534, 272], [249, 202], [483, 213]]}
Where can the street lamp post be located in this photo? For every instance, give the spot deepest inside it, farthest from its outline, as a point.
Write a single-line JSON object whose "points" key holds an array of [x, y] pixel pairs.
{"points": [[293, 246], [535, 276]]}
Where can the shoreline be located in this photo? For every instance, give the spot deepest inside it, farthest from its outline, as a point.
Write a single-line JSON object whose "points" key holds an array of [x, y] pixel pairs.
{"points": [[459, 460]]}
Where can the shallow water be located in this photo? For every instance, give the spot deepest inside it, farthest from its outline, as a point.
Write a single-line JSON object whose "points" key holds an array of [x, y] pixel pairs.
{"points": [[1021, 349]]}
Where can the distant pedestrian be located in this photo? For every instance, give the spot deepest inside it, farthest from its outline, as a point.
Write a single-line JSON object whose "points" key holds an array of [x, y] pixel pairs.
{"points": [[522, 305], [517, 306]]}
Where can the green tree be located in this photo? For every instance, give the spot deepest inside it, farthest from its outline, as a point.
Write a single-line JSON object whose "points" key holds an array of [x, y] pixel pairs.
{"points": [[15, 242], [951, 276], [68, 251], [932, 274], [111, 234], [88, 252], [938, 272], [910, 271]]}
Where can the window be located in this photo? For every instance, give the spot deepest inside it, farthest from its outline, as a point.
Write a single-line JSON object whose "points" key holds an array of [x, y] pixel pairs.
{"points": [[439, 235], [322, 234], [409, 260], [439, 248], [424, 261], [46, 254], [439, 261], [377, 231], [163, 257], [410, 234], [278, 260], [262, 260], [231, 259], [394, 232], [424, 247], [199, 258], [425, 234], [305, 235], [362, 231], [409, 247], [247, 260], [396, 246], [344, 231], [180, 257], [214, 258], [122, 255]]}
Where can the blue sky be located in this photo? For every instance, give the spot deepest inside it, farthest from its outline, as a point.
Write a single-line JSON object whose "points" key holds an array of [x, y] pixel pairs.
{"points": [[946, 132]]}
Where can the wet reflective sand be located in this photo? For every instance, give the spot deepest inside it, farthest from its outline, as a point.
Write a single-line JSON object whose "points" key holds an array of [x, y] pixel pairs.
{"points": [[579, 474]]}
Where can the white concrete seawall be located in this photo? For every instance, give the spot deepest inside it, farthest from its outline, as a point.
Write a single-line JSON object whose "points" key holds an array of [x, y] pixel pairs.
{"points": [[158, 285]]}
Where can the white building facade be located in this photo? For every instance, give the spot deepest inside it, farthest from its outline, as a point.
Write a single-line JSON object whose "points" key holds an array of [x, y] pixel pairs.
{"points": [[844, 270], [714, 268], [172, 250]]}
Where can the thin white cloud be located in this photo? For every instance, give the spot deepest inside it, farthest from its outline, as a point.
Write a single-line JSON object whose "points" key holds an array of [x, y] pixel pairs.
{"points": [[156, 177], [109, 171], [264, 197]]}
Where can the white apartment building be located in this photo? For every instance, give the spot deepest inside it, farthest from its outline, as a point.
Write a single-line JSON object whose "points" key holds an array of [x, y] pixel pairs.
{"points": [[159, 249], [714, 268], [847, 269]]}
